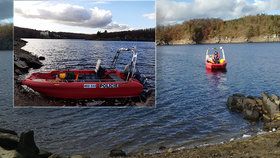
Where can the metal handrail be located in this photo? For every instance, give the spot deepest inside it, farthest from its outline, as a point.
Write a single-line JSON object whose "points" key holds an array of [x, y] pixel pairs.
{"points": [[132, 63]]}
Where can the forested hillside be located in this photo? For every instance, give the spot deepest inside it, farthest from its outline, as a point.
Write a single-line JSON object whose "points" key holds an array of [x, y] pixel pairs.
{"points": [[133, 35], [250, 28], [6, 37]]}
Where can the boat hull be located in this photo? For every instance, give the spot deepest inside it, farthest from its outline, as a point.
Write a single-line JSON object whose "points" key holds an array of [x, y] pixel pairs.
{"points": [[84, 90], [213, 66]]}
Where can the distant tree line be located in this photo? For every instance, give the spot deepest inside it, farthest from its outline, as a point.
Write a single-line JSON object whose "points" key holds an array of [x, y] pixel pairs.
{"points": [[198, 30], [133, 35], [6, 37]]}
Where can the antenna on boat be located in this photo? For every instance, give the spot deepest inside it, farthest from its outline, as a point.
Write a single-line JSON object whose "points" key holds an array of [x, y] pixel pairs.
{"points": [[97, 65], [133, 60], [206, 55], [223, 52], [132, 63]]}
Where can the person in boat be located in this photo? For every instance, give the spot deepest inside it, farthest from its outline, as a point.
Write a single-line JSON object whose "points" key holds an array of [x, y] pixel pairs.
{"points": [[209, 58], [100, 73], [216, 57], [99, 70]]}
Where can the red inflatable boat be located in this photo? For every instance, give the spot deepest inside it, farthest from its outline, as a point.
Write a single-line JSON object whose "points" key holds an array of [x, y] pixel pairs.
{"points": [[215, 61], [90, 84], [213, 66]]}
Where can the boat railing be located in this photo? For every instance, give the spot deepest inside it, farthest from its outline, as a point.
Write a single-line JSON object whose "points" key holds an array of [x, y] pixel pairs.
{"points": [[222, 51]]}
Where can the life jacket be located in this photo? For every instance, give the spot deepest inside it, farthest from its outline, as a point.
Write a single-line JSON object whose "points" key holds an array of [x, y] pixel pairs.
{"points": [[216, 56]]}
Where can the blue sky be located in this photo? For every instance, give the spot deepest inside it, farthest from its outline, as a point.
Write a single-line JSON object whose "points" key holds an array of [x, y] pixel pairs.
{"points": [[132, 12], [85, 16], [6, 11], [176, 11]]}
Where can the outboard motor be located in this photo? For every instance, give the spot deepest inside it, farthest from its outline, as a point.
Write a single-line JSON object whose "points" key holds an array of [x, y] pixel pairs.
{"points": [[143, 80]]}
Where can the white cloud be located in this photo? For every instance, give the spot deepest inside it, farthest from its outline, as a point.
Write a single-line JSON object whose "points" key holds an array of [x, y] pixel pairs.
{"points": [[169, 11], [67, 14], [116, 27], [151, 16]]}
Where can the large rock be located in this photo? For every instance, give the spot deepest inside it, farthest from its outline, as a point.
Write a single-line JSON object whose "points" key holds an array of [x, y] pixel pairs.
{"points": [[269, 106], [9, 154], [27, 146], [29, 59], [44, 154], [250, 109], [275, 99], [117, 153], [21, 65], [8, 131], [41, 58], [266, 118], [259, 102], [8, 139], [249, 101], [248, 106], [270, 125], [253, 108], [251, 114], [19, 72], [235, 102]]}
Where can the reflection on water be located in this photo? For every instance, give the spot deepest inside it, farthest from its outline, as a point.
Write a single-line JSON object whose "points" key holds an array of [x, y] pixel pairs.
{"points": [[217, 79]]}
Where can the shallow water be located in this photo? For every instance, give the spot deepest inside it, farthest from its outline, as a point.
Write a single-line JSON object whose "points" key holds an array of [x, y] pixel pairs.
{"points": [[191, 105]]}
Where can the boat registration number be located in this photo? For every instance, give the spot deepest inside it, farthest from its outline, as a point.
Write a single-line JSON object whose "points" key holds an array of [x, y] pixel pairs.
{"points": [[89, 85], [113, 85]]}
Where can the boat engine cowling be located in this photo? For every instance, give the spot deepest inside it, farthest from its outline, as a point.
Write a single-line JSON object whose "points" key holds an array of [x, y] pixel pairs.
{"points": [[144, 81], [141, 78]]}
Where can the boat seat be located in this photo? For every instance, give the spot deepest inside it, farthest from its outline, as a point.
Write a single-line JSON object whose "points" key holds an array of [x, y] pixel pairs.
{"points": [[115, 77]]}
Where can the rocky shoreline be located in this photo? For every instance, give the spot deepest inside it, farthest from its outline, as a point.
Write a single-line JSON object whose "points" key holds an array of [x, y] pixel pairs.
{"points": [[224, 40], [253, 108], [259, 146], [23, 62], [267, 144], [24, 146], [257, 108]]}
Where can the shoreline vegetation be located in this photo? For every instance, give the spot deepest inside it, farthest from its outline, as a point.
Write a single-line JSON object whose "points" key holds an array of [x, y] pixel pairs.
{"points": [[132, 35], [6, 36], [257, 28]]}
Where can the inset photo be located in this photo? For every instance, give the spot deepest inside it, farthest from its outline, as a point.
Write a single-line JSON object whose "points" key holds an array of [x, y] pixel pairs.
{"points": [[84, 53]]}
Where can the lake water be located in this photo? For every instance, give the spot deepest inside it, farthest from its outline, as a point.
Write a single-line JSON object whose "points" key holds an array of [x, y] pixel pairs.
{"points": [[83, 54], [191, 105]]}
